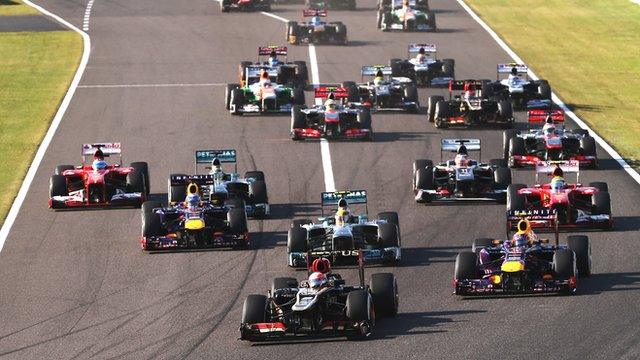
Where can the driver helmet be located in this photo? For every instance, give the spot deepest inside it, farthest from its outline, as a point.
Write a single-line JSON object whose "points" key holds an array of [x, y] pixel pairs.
{"points": [[193, 198], [216, 166], [557, 184], [273, 58], [322, 265], [342, 215], [316, 20], [421, 55], [514, 71], [519, 240], [330, 104], [549, 128], [524, 227], [99, 164], [379, 78], [405, 3], [317, 280], [98, 155], [264, 77], [462, 160], [462, 150], [469, 90]]}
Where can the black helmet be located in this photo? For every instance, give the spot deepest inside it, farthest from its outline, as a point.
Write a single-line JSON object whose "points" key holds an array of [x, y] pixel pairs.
{"points": [[548, 119], [273, 53], [557, 171], [379, 73], [514, 71], [462, 150], [342, 203], [331, 96], [215, 161], [421, 51]]}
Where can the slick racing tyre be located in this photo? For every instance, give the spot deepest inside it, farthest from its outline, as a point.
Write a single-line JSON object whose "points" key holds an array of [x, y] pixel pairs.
{"points": [[516, 201], [259, 192], [466, 266], [58, 186], [579, 244], [254, 309], [62, 168], [143, 168], [431, 106], [388, 235], [297, 240], [384, 290]]}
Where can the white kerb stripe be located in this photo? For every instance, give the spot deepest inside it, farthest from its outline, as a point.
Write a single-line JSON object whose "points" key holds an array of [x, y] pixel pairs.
{"points": [[42, 149], [610, 150]]}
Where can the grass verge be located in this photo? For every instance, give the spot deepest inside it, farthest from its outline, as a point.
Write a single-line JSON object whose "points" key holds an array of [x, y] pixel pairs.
{"points": [[33, 81], [15, 8], [589, 50]]}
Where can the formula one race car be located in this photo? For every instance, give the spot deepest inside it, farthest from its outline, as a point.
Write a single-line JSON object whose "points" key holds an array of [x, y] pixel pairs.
{"points": [[323, 304], [340, 238], [422, 5], [249, 192], [335, 120], [194, 223], [424, 69], [523, 264], [385, 92], [245, 5], [262, 96], [460, 178], [404, 15], [550, 142], [316, 31], [517, 87], [331, 4], [472, 107], [98, 183], [576, 205], [285, 72]]}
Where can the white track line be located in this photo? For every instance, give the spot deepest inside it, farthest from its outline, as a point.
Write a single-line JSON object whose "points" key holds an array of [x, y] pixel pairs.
{"points": [[329, 182], [87, 16], [610, 150], [42, 149], [115, 86]]}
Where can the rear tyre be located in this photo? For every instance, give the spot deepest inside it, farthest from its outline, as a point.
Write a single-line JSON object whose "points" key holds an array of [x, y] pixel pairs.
{"points": [[502, 179], [424, 179], [601, 202], [364, 119], [358, 306], [431, 106], [580, 246], [255, 174], [298, 96], [505, 111], [563, 263], [384, 290], [498, 163], [143, 168], [237, 218], [62, 168], [442, 113], [227, 94], [390, 217], [516, 201], [507, 135], [421, 164], [254, 309], [481, 243], [431, 20], [298, 121], [297, 240], [151, 224], [588, 146], [448, 68], [283, 283], [136, 179], [466, 266], [411, 95], [302, 73], [388, 235], [602, 186], [58, 186], [259, 192], [236, 101], [516, 148], [544, 90], [177, 193]]}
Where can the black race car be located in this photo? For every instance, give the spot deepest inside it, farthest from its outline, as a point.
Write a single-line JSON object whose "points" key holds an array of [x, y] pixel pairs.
{"points": [[460, 179], [245, 5], [423, 67], [517, 87], [316, 31], [328, 306], [385, 92], [341, 120], [283, 72], [470, 108]]}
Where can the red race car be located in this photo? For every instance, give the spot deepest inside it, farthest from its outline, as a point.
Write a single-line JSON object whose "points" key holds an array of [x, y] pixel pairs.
{"points": [[98, 183], [577, 206]]}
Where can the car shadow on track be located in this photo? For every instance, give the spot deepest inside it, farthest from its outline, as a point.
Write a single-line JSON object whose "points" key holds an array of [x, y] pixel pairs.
{"points": [[269, 239], [403, 324], [626, 223], [423, 256], [611, 164], [290, 211], [599, 283], [401, 136]]}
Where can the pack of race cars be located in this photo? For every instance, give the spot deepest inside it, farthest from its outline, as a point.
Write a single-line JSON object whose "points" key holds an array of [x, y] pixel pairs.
{"points": [[211, 208]]}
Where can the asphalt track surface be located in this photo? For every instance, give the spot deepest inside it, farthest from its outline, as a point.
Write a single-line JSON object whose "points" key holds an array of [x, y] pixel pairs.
{"points": [[76, 285]]}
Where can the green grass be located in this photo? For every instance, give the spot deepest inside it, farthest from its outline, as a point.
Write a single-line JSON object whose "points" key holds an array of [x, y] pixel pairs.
{"points": [[34, 77], [15, 8], [589, 50]]}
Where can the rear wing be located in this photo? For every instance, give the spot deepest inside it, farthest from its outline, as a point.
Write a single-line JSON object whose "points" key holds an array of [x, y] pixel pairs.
{"points": [[539, 218], [567, 167], [521, 69], [267, 50], [415, 48], [454, 144], [204, 179], [108, 149], [455, 85], [372, 70], [314, 12], [331, 198], [539, 115], [254, 72], [325, 91], [207, 156]]}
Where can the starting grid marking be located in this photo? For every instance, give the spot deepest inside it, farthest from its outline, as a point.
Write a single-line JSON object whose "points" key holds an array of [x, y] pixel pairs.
{"points": [[87, 16]]}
